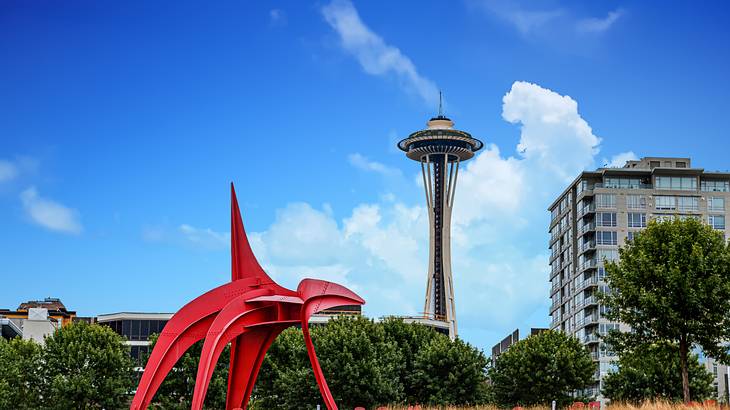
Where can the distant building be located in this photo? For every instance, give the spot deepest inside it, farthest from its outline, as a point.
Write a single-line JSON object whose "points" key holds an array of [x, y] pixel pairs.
{"points": [[326, 315], [8, 329], [36, 319], [511, 339], [601, 210], [720, 373], [136, 328]]}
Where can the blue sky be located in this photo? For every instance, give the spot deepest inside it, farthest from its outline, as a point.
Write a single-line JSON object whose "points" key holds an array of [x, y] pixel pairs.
{"points": [[121, 125]]}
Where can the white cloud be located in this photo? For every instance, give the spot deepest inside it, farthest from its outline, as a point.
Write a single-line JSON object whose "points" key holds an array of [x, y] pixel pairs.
{"points": [[8, 171], [50, 214], [619, 160], [553, 134], [200, 237], [374, 55], [599, 25], [361, 162]]}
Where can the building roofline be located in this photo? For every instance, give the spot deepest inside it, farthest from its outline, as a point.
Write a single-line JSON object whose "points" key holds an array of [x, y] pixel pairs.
{"points": [[107, 317]]}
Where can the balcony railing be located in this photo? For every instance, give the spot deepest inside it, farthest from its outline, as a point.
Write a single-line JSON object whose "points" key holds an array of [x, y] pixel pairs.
{"points": [[586, 209], [593, 280], [587, 246], [554, 323], [595, 356], [587, 227], [556, 304], [555, 286], [590, 300], [591, 263], [591, 338], [632, 186]]}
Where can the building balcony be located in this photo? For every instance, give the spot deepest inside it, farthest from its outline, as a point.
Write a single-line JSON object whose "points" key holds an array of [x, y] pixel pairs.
{"points": [[595, 356], [591, 338], [586, 210], [631, 186], [588, 246], [556, 285], [555, 305], [587, 228], [555, 323], [592, 281], [589, 264], [590, 300]]}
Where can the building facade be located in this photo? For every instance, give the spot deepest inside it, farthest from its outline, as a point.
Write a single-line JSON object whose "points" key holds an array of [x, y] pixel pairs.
{"points": [[36, 319], [598, 212], [136, 328]]}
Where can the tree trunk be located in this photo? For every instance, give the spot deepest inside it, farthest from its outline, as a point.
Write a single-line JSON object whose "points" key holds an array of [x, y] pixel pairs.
{"points": [[683, 353]]}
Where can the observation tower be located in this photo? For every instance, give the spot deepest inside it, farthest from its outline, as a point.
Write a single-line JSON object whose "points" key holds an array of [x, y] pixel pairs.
{"points": [[440, 149]]}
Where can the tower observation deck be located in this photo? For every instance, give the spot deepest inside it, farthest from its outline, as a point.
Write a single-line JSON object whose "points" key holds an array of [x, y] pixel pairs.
{"points": [[440, 149]]}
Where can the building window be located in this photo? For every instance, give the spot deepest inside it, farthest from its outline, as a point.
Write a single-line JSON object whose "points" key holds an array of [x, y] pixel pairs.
{"points": [[606, 200], [606, 219], [607, 254], [665, 203], [636, 220], [606, 238], [716, 221], [635, 202], [715, 186], [716, 204], [631, 235], [688, 203], [681, 164], [676, 183]]}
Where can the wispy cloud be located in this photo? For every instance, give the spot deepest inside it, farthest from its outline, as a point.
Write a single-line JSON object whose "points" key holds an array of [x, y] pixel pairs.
{"points": [[599, 25], [50, 214], [205, 237], [619, 160], [374, 55], [8, 171], [531, 21], [277, 17], [361, 162]]}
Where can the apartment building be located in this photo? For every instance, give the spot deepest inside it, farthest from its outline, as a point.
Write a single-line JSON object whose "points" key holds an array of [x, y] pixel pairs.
{"points": [[598, 212]]}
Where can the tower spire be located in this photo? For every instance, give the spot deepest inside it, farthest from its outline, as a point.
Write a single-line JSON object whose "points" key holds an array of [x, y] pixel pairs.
{"points": [[441, 111]]}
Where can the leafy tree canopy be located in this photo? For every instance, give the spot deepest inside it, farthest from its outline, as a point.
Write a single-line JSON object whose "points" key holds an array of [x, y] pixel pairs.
{"points": [[86, 366], [21, 381], [544, 367], [672, 284], [651, 372]]}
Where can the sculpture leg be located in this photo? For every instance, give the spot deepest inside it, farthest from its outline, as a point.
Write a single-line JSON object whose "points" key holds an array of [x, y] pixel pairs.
{"points": [[230, 323], [168, 350], [329, 401], [247, 355]]}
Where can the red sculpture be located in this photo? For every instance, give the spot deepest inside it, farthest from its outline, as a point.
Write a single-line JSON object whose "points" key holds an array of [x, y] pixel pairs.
{"points": [[249, 312]]}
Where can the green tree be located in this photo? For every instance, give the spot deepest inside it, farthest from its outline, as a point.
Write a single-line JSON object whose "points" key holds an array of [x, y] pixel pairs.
{"points": [[360, 363], [176, 392], [652, 372], [21, 378], [672, 283], [449, 372], [409, 338], [86, 366], [544, 367]]}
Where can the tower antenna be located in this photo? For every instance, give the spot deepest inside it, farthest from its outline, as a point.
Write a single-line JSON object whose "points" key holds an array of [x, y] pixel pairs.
{"points": [[441, 111]]}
